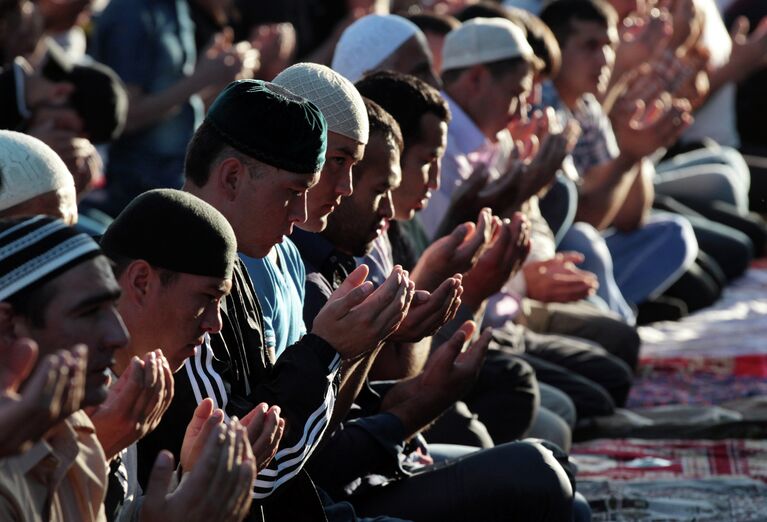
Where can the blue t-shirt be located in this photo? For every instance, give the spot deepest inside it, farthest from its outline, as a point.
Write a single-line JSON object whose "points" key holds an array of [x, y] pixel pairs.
{"points": [[280, 290]]}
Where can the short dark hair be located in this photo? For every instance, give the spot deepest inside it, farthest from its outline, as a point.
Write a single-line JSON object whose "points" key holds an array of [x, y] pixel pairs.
{"points": [[406, 98], [558, 15], [485, 9], [121, 263], [435, 23], [381, 122], [205, 148], [497, 69], [541, 39]]}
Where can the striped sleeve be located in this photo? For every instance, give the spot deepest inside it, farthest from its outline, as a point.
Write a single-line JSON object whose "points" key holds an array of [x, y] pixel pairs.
{"points": [[301, 384]]}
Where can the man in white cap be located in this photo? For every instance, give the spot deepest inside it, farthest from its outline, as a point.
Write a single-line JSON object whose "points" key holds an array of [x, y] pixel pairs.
{"points": [[487, 70], [34, 179], [278, 278], [378, 42]]}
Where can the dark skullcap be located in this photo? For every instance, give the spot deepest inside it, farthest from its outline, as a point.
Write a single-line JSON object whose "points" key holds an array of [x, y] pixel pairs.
{"points": [[271, 125], [173, 230], [36, 249]]}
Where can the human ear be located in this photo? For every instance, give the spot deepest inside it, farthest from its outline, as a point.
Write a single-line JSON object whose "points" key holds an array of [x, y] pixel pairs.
{"points": [[229, 174], [136, 281]]}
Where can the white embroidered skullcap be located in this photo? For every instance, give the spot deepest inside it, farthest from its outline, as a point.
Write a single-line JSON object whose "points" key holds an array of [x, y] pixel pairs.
{"points": [[484, 40], [28, 168], [337, 98], [369, 41]]}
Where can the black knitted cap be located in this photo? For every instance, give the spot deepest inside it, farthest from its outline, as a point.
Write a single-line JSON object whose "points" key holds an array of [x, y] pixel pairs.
{"points": [[271, 125], [176, 231]]}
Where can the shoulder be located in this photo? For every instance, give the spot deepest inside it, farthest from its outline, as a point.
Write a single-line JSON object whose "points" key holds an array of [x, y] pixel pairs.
{"points": [[292, 257]]}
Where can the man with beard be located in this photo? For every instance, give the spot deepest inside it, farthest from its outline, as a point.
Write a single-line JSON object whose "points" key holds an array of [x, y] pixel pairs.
{"points": [[258, 179], [364, 458]]}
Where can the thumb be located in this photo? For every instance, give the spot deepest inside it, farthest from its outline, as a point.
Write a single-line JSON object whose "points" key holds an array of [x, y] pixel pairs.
{"points": [[739, 30], [446, 354], [572, 257], [133, 376], [457, 236], [352, 281], [19, 362], [203, 411], [344, 305], [159, 481]]}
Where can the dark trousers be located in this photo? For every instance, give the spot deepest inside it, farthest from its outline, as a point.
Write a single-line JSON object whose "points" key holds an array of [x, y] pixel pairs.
{"points": [[518, 481], [595, 380], [585, 321]]}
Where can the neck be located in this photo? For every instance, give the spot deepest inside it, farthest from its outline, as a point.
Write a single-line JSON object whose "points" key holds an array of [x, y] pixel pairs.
{"points": [[464, 102], [568, 96]]}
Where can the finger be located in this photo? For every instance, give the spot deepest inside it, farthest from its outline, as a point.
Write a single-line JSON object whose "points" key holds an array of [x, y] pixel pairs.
{"points": [[444, 357], [75, 389], [254, 422], [264, 446], [457, 236], [352, 281], [474, 356], [739, 30], [201, 414], [169, 385], [159, 481], [571, 257], [214, 460], [206, 432], [479, 237], [59, 395], [247, 475], [225, 463], [341, 307], [393, 314], [45, 389]]}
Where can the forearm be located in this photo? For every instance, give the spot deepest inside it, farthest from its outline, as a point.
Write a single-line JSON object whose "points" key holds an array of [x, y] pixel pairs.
{"points": [[401, 360], [353, 375], [359, 447], [147, 109], [638, 202], [604, 191]]}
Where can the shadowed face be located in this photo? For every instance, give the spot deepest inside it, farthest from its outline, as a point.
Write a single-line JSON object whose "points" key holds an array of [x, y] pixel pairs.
{"points": [[363, 216], [82, 309], [421, 168], [335, 181]]}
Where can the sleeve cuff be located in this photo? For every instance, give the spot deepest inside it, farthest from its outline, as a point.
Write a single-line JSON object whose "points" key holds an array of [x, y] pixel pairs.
{"points": [[324, 351], [385, 428]]}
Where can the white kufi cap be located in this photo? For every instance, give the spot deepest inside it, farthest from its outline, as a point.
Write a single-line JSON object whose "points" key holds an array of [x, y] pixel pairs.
{"points": [[369, 41], [337, 98], [28, 168], [484, 40]]}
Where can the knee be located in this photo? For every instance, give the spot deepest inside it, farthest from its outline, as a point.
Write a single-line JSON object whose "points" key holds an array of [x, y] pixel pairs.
{"points": [[622, 378], [677, 235], [624, 342], [547, 482]]}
